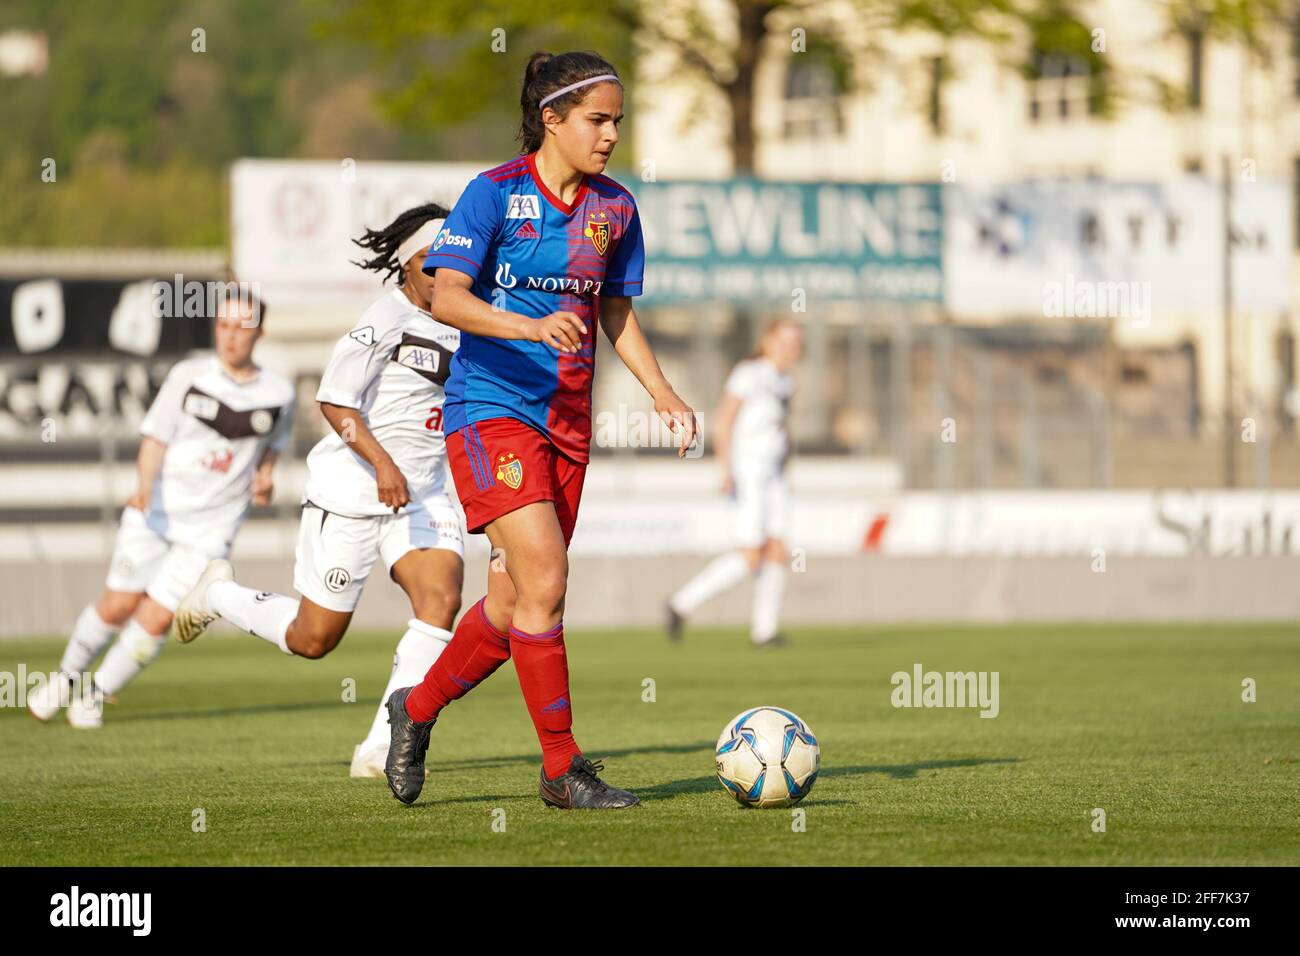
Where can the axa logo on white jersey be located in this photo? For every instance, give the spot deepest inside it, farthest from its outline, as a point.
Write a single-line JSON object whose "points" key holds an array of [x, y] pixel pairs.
{"points": [[573, 285], [449, 238]]}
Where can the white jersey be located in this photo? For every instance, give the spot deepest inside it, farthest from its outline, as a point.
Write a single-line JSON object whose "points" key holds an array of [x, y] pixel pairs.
{"points": [[216, 429], [760, 436], [391, 367]]}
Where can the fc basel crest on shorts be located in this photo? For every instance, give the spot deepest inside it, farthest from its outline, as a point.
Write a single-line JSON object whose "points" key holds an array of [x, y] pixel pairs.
{"points": [[224, 420], [424, 356], [510, 470], [598, 232]]}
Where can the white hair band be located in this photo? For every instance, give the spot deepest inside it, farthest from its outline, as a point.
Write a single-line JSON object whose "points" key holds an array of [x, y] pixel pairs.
{"points": [[417, 240], [581, 83]]}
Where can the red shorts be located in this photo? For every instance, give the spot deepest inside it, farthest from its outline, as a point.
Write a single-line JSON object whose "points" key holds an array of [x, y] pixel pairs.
{"points": [[501, 464]]}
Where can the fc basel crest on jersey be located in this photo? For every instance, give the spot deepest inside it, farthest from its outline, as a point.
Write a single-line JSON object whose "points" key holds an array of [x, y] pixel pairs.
{"points": [[425, 357], [510, 470], [224, 420], [598, 232]]}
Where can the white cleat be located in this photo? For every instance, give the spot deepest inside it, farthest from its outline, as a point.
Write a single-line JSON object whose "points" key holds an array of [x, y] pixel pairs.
{"points": [[193, 615], [48, 699], [86, 712], [370, 762]]}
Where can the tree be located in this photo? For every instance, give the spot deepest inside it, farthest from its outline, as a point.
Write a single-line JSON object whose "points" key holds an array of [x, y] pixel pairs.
{"points": [[454, 48]]}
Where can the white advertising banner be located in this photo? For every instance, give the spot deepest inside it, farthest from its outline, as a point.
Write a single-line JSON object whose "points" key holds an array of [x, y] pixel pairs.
{"points": [[1134, 251], [293, 221], [1092, 525]]}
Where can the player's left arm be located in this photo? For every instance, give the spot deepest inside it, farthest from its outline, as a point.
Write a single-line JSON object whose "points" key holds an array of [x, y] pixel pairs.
{"points": [[624, 332]]}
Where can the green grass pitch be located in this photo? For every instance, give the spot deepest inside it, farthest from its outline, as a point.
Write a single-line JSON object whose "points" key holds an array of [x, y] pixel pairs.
{"points": [[1145, 722]]}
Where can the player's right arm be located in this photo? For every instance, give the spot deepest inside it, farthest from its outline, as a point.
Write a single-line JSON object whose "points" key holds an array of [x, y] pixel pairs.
{"points": [[455, 305], [351, 427], [477, 219], [357, 360], [156, 431], [723, 420], [148, 465]]}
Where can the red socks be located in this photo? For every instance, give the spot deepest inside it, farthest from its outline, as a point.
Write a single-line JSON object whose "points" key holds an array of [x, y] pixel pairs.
{"points": [[543, 671], [473, 653], [476, 650]]}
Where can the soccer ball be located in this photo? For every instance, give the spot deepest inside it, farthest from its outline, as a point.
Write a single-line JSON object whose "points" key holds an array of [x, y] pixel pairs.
{"points": [[767, 757]]}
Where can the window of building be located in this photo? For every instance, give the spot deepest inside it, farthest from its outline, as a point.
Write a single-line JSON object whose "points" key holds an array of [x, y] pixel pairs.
{"points": [[1062, 88], [813, 88]]}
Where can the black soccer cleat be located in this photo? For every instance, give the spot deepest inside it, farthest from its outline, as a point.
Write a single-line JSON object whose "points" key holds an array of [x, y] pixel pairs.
{"points": [[580, 789], [407, 744], [674, 624]]}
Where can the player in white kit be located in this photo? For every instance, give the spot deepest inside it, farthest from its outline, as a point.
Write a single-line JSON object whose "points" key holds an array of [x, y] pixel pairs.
{"points": [[376, 488], [210, 440], [752, 444]]}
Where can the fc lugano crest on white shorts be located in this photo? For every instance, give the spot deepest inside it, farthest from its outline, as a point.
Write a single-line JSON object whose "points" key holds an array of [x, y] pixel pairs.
{"points": [[335, 552]]}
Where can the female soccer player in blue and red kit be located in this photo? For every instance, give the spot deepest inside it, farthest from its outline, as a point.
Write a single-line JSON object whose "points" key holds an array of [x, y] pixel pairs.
{"points": [[537, 252]]}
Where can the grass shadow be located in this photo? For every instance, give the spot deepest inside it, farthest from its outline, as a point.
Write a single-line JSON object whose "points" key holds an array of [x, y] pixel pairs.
{"points": [[146, 715], [693, 785], [485, 763], [909, 771]]}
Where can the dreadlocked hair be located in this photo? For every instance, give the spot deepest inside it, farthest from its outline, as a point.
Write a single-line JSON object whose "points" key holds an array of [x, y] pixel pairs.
{"points": [[384, 242]]}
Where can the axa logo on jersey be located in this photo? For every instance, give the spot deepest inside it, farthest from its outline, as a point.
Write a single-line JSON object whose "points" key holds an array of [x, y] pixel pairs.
{"points": [[523, 207]]}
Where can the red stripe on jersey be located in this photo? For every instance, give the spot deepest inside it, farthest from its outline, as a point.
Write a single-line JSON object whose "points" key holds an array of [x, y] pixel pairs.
{"points": [[452, 255], [506, 170], [606, 181], [569, 419]]}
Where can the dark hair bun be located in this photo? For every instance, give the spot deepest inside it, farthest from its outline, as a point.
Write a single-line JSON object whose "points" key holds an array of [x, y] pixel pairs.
{"points": [[536, 63]]}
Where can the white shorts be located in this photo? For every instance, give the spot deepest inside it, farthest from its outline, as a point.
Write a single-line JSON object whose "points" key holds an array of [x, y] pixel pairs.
{"points": [[335, 553], [143, 560], [762, 505]]}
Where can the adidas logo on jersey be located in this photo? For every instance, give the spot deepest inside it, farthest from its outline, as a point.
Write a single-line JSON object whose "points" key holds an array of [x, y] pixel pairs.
{"points": [[526, 231]]}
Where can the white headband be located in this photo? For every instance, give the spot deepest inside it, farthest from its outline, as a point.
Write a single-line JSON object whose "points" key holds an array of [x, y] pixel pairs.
{"points": [[581, 83], [422, 237]]}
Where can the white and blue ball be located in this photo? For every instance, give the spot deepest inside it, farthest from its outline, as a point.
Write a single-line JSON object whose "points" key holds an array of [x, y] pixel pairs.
{"points": [[767, 757]]}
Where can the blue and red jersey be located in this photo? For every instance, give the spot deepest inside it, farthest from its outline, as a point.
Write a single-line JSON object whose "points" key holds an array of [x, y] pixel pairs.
{"points": [[532, 254]]}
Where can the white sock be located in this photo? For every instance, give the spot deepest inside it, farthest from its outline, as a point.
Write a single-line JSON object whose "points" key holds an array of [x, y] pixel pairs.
{"points": [[134, 651], [769, 589], [90, 635], [416, 652], [721, 574], [260, 613]]}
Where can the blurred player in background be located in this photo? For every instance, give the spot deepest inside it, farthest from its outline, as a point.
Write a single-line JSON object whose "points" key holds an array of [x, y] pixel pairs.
{"points": [[210, 441], [536, 252], [376, 487], [752, 442]]}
